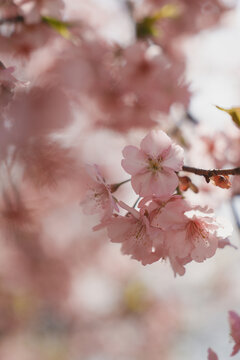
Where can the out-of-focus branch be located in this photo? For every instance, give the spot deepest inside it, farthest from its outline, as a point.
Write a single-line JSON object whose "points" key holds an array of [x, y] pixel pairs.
{"points": [[15, 19]]}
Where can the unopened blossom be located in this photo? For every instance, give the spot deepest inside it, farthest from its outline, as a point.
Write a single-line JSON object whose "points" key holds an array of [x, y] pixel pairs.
{"points": [[153, 166], [234, 321], [212, 355], [136, 234], [185, 183], [221, 181], [98, 198]]}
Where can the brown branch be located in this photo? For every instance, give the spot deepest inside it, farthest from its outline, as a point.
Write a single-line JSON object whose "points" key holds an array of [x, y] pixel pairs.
{"points": [[213, 172], [15, 19]]}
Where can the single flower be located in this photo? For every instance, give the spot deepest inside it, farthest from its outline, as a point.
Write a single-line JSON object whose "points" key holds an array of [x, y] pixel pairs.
{"points": [[153, 167], [98, 198]]}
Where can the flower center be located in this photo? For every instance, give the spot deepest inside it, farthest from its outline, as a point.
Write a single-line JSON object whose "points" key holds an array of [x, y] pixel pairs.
{"points": [[154, 165], [196, 231]]}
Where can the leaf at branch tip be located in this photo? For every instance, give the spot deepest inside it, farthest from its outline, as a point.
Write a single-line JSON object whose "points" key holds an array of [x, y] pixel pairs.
{"points": [[60, 26], [234, 113], [147, 26], [185, 183]]}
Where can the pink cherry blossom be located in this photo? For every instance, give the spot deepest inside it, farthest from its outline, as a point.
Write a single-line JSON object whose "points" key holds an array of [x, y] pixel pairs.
{"points": [[136, 235], [234, 320], [147, 67], [98, 198], [153, 167], [200, 238], [48, 106], [191, 234], [212, 355]]}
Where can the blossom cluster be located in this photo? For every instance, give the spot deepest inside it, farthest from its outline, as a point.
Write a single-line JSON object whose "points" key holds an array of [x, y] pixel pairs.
{"points": [[69, 71], [166, 226]]}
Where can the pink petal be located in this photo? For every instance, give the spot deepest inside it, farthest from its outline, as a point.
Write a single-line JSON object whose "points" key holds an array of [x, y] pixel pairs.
{"points": [[119, 227], [212, 355], [174, 158], [236, 349], [177, 267], [132, 211], [171, 216], [141, 183], [204, 248], [140, 249], [225, 242], [178, 245], [135, 160], [160, 184], [95, 173], [155, 143], [234, 320]]}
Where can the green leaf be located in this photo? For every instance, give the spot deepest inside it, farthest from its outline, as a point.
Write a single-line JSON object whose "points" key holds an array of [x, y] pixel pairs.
{"points": [[147, 26], [60, 26], [234, 113]]}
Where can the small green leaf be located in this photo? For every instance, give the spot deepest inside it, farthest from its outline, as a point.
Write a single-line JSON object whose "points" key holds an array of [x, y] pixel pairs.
{"points": [[234, 113], [60, 26], [147, 26]]}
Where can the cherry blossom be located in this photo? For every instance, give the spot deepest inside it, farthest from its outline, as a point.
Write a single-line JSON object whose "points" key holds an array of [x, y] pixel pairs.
{"points": [[136, 235], [153, 167], [193, 234], [98, 198]]}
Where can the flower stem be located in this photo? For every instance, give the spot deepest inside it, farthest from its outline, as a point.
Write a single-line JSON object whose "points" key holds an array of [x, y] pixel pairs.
{"points": [[114, 187], [135, 204]]}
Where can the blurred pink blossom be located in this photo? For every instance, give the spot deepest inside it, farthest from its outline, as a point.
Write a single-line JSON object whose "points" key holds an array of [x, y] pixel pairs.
{"points": [[99, 198], [212, 355], [234, 321], [33, 10]]}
